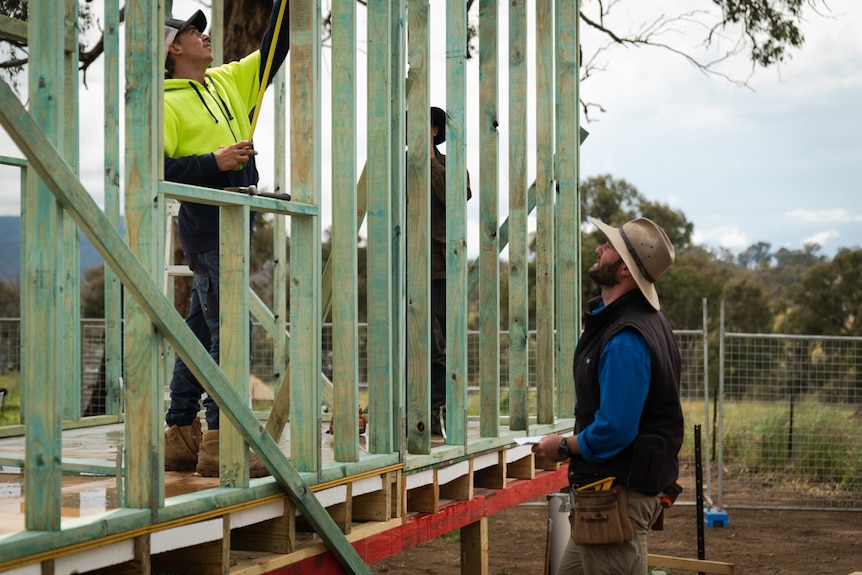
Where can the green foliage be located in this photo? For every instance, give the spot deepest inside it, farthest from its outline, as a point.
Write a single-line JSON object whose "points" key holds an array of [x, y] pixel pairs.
{"points": [[674, 222], [93, 293], [10, 299], [695, 275], [828, 299], [770, 28], [11, 412], [613, 201], [747, 306], [16, 53], [757, 255]]}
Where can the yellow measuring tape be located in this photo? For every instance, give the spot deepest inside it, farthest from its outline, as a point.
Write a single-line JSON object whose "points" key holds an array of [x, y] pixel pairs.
{"points": [[267, 67], [600, 485]]}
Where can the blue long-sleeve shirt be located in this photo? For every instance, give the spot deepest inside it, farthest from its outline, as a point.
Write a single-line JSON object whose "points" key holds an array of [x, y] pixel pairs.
{"points": [[624, 379]]}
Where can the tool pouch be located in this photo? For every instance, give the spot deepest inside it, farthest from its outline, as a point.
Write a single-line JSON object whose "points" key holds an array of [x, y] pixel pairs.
{"points": [[601, 517]]}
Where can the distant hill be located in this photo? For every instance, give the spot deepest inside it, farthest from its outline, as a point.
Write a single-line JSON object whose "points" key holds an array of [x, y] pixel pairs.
{"points": [[10, 250]]}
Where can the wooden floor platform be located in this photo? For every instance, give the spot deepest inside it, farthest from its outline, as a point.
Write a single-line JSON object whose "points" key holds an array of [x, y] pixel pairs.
{"points": [[381, 512]]}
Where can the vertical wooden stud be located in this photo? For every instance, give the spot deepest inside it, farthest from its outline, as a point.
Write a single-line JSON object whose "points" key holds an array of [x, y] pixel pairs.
{"points": [[397, 179], [418, 232], [489, 237], [379, 197], [41, 305], [144, 397], [518, 276], [234, 334], [345, 366], [113, 311], [70, 240], [568, 138], [545, 193], [456, 223], [305, 235]]}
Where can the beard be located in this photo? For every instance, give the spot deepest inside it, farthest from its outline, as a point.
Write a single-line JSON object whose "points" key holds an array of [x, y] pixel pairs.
{"points": [[605, 275]]}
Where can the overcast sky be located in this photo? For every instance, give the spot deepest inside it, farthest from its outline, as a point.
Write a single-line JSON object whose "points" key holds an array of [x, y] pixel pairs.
{"points": [[779, 161]]}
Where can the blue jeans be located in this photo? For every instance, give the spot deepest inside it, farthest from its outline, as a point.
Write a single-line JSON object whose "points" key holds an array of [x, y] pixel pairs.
{"points": [[203, 320]]}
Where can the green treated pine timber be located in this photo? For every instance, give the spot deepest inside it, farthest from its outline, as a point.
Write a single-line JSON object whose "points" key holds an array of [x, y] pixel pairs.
{"points": [[418, 230], [69, 240], [381, 380], [280, 406], [166, 366], [567, 175], [141, 287], [305, 146], [15, 162], [397, 163], [545, 365], [518, 272], [113, 306], [266, 316], [16, 31], [487, 269], [274, 326], [234, 334], [144, 401], [234, 286], [456, 223], [326, 277], [345, 331], [503, 232], [69, 465], [26, 547], [215, 197], [12, 29], [280, 354], [280, 411], [41, 306], [216, 23]]}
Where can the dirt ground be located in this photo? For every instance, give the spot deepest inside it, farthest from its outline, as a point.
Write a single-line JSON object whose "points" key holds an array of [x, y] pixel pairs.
{"points": [[756, 542]]}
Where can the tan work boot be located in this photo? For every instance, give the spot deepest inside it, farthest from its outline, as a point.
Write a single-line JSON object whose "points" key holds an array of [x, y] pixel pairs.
{"points": [[182, 445], [208, 458]]}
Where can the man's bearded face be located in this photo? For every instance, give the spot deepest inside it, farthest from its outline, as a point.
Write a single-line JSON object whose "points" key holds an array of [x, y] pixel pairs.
{"points": [[605, 274]]}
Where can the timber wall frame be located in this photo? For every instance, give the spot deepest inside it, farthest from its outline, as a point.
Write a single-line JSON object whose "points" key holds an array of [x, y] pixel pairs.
{"points": [[55, 206]]}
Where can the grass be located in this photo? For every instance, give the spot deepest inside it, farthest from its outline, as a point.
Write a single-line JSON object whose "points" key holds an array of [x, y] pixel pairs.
{"points": [[823, 444], [11, 412]]}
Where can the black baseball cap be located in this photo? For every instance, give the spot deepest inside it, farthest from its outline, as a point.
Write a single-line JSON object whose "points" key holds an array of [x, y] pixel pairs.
{"points": [[175, 27]]}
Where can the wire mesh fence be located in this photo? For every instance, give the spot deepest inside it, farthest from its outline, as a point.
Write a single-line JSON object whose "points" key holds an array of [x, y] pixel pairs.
{"points": [[10, 344], [693, 383], [791, 412]]}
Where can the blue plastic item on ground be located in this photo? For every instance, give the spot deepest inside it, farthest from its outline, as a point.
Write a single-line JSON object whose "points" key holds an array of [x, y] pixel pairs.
{"points": [[715, 517]]}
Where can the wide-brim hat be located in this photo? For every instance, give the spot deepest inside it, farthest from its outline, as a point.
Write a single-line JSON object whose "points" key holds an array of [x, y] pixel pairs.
{"points": [[175, 27], [438, 119], [645, 249]]}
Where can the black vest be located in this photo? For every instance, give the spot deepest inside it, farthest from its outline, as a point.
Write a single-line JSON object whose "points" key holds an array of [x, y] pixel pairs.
{"points": [[650, 463]]}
